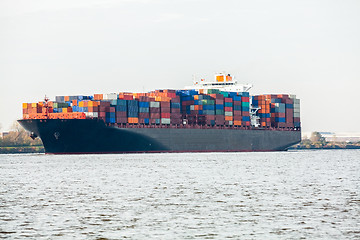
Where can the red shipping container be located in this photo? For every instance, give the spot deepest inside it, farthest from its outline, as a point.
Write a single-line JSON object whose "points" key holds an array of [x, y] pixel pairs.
{"points": [[175, 99], [121, 114], [245, 99], [210, 117], [228, 109], [121, 119], [155, 115], [165, 110], [237, 118], [228, 100], [104, 104], [237, 113], [219, 101], [219, 117], [246, 114], [154, 110], [144, 115], [126, 97], [164, 105]]}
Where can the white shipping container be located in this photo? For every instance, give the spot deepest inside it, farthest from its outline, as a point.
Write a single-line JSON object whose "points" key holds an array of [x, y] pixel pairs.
{"points": [[296, 114], [165, 121], [91, 114], [297, 101], [228, 113], [110, 96], [154, 104], [192, 107]]}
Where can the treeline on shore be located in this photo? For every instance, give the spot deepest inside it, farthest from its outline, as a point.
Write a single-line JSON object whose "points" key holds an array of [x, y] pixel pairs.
{"points": [[19, 141]]}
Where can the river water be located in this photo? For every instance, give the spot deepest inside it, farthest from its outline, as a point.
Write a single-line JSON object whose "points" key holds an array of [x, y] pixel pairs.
{"points": [[272, 195]]}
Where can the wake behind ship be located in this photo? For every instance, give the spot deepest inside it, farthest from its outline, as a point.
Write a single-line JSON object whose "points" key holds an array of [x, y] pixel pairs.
{"points": [[209, 117]]}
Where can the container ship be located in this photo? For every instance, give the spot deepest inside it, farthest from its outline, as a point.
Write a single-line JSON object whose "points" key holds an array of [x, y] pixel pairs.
{"points": [[210, 116]]}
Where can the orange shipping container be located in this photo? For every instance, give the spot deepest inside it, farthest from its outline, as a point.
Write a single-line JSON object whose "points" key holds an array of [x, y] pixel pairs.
{"points": [[237, 123], [133, 120], [228, 118], [228, 78], [219, 78], [24, 105]]}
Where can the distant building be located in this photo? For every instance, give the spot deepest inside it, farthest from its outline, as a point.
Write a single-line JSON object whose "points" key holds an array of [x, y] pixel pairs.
{"points": [[4, 134], [341, 137]]}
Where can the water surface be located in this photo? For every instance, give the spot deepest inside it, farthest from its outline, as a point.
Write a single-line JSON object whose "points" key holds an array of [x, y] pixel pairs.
{"points": [[276, 195]]}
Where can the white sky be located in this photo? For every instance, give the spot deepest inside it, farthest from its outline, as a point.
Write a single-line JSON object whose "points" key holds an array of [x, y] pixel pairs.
{"points": [[310, 48]]}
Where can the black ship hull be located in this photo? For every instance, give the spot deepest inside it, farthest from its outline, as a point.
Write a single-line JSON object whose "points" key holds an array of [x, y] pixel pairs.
{"points": [[75, 136]]}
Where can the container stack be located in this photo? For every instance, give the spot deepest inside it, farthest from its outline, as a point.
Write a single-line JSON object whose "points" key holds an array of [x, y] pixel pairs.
{"points": [[237, 114], [144, 110], [133, 111], [165, 112], [296, 111], [169, 107], [228, 111], [219, 108], [245, 108], [175, 107], [120, 111], [154, 109], [104, 110], [280, 111], [208, 106], [263, 103]]}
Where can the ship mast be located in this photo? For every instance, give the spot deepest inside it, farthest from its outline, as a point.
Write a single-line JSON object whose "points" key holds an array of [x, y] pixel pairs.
{"points": [[46, 99]]}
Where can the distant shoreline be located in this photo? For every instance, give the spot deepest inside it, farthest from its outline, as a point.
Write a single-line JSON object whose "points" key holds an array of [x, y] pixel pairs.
{"points": [[40, 149], [22, 149], [324, 148]]}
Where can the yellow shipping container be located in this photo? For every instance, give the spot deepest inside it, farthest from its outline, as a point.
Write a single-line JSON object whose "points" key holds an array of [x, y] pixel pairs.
{"points": [[33, 105], [24, 105], [64, 110], [81, 104]]}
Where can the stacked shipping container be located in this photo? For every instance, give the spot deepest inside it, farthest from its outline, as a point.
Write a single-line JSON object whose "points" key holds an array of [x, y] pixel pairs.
{"points": [[277, 110], [205, 107]]}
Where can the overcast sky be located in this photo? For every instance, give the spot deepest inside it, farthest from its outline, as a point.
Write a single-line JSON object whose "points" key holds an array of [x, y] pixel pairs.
{"points": [[310, 48]]}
